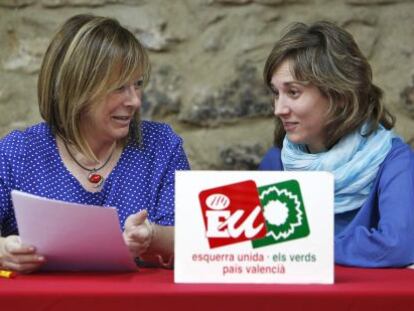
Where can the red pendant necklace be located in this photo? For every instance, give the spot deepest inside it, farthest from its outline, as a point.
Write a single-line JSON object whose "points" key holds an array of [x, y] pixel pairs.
{"points": [[93, 176]]}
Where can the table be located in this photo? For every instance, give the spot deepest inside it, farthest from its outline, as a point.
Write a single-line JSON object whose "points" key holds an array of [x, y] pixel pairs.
{"points": [[154, 289]]}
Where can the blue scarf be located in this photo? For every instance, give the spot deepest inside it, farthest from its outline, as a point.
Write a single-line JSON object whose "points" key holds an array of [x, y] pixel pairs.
{"points": [[354, 161]]}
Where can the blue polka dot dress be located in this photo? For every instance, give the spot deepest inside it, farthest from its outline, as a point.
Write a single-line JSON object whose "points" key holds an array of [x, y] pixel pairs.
{"points": [[142, 179]]}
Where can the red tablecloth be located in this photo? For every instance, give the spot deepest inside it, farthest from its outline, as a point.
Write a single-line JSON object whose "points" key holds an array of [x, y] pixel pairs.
{"points": [[154, 289]]}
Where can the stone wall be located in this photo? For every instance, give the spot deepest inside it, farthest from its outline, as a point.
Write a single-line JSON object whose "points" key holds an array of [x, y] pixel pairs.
{"points": [[207, 57]]}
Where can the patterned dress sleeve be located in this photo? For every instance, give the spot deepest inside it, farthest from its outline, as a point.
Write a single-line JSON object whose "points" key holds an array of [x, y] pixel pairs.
{"points": [[165, 200], [11, 165]]}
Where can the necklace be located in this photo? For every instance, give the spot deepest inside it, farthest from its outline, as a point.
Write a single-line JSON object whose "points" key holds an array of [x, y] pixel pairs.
{"points": [[93, 176]]}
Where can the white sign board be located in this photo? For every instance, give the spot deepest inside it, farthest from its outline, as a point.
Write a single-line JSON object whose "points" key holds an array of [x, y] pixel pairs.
{"points": [[254, 227]]}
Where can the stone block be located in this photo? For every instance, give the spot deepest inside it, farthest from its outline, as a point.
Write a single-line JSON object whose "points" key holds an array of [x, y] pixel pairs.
{"points": [[407, 98], [28, 56], [243, 97], [163, 94], [15, 3], [241, 157]]}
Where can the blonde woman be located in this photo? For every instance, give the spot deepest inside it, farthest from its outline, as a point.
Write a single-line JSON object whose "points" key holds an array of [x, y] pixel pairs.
{"points": [[330, 117], [92, 147]]}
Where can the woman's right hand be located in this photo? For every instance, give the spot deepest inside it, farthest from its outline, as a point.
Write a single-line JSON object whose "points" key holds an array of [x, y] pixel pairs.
{"points": [[16, 256]]}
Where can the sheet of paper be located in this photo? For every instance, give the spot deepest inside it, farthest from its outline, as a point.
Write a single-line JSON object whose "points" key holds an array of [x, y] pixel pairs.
{"points": [[72, 237]]}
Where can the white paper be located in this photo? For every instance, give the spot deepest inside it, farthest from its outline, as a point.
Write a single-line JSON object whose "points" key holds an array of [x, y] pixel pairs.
{"points": [[72, 237]]}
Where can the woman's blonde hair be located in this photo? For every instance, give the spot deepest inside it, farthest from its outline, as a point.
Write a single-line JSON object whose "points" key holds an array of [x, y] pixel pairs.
{"points": [[89, 57], [328, 57]]}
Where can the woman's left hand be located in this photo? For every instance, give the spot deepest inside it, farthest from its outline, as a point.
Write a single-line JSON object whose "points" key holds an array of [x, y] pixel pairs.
{"points": [[138, 233]]}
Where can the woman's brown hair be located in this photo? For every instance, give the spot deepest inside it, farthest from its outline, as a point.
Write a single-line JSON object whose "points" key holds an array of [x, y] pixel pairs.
{"points": [[328, 57], [88, 57]]}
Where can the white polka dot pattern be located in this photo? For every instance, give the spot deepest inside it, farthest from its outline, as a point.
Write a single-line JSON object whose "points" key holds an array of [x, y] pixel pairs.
{"points": [[142, 179]]}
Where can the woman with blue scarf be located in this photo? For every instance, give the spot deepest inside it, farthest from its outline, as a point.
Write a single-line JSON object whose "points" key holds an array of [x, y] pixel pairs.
{"points": [[330, 117]]}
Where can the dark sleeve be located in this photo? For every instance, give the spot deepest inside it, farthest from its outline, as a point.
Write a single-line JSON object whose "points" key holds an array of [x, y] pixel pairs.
{"points": [[383, 234], [165, 202], [271, 161]]}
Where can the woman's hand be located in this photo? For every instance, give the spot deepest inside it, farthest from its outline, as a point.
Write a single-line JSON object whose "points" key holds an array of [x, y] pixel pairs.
{"points": [[18, 257], [138, 233]]}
